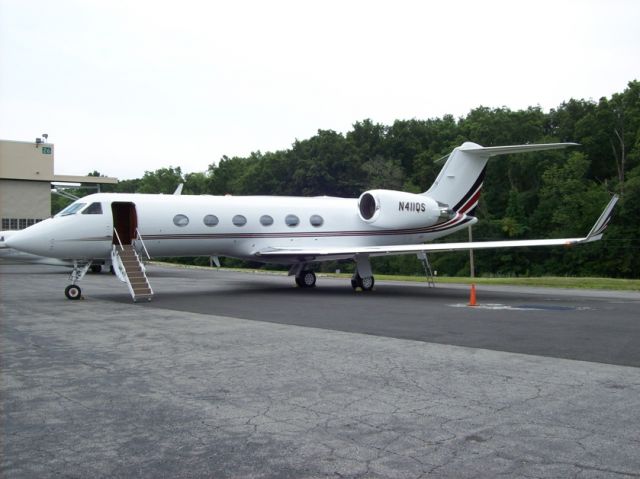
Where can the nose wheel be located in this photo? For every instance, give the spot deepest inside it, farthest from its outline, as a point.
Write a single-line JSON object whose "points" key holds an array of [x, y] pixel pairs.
{"points": [[73, 292], [80, 268]]}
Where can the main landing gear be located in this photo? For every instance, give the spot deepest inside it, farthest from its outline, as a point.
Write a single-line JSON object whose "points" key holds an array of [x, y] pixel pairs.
{"points": [[362, 279], [365, 284], [363, 276], [306, 279], [73, 291]]}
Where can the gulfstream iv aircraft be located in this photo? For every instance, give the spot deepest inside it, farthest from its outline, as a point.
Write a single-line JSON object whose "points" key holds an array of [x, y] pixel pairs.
{"points": [[120, 229]]}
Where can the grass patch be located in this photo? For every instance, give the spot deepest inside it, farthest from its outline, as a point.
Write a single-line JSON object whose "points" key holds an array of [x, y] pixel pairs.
{"points": [[569, 282], [543, 282]]}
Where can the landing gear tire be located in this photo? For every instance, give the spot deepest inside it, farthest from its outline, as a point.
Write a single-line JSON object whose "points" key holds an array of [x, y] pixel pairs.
{"points": [[306, 279], [366, 283], [73, 292], [96, 268]]}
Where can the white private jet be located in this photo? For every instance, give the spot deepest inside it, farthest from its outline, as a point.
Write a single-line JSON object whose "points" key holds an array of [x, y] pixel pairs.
{"points": [[122, 228]]}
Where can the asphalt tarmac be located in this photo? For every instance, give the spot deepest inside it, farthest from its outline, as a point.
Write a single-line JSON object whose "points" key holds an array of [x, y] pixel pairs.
{"points": [[228, 374], [558, 323]]}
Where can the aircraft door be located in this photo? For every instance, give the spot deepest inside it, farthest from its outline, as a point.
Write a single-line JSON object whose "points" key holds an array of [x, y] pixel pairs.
{"points": [[125, 221]]}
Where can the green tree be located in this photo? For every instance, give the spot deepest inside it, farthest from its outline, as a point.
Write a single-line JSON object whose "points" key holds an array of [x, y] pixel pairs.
{"points": [[163, 180]]}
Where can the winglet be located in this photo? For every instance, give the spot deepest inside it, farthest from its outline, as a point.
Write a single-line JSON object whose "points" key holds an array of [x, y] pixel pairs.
{"points": [[596, 232]]}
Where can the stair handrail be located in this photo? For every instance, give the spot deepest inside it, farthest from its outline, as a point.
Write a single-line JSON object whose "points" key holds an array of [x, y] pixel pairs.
{"points": [[144, 247], [118, 238]]}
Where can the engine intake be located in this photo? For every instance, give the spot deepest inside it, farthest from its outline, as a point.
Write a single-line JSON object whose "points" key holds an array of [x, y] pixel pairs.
{"points": [[397, 209]]}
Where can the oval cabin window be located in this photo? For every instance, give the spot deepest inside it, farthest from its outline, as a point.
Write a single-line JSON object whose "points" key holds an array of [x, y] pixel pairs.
{"points": [[210, 220], [180, 220], [292, 220], [239, 220], [316, 220], [266, 220]]}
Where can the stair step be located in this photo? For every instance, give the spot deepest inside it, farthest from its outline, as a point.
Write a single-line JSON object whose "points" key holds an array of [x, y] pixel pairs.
{"points": [[134, 271]]}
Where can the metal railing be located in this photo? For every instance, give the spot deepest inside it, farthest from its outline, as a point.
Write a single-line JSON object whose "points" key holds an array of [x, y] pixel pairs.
{"points": [[144, 247], [118, 238]]}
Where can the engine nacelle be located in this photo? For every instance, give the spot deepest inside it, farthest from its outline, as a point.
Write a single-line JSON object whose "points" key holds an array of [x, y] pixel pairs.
{"points": [[397, 209]]}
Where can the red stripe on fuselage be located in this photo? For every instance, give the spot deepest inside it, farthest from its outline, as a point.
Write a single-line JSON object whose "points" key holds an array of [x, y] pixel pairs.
{"points": [[473, 200]]}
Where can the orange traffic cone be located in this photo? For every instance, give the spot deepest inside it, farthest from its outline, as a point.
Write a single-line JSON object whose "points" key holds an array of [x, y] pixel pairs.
{"points": [[472, 296]]}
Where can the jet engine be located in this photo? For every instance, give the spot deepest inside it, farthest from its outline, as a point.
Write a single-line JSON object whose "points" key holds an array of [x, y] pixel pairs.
{"points": [[397, 209]]}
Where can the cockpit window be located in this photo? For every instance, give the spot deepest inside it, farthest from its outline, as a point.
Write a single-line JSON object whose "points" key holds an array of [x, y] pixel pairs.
{"points": [[72, 209], [93, 209]]}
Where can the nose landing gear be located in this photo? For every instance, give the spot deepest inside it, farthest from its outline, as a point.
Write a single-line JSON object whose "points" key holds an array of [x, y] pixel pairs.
{"points": [[73, 291]]}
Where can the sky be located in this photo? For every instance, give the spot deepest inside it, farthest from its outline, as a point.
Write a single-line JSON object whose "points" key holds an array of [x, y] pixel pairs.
{"points": [[128, 86]]}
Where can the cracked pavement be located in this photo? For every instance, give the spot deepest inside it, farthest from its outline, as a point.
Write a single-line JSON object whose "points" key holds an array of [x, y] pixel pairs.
{"points": [[112, 389]]}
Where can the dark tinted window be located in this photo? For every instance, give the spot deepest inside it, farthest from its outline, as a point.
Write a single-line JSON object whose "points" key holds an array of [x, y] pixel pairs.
{"points": [[211, 220], [239, 220], [180, 220], [93, 209], [316, 220], [292, 220], [266, 220]]}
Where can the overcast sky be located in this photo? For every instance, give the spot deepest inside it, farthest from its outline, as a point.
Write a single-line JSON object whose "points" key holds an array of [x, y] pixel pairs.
{"points": [[123, 87]]}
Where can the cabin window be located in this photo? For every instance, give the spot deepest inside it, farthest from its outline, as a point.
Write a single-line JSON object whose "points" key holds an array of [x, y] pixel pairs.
{"points": [[316, 220], [239, 220], [180, 220], [292, 220], [211, 220], [266, 220], [72, 209], [93, 209]]}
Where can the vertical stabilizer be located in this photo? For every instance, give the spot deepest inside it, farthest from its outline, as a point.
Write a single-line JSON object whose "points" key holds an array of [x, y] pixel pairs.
{"points": [[459, 183]]}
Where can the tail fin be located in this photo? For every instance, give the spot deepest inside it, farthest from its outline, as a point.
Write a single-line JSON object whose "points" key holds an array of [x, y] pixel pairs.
{"points": [[459, 183]]}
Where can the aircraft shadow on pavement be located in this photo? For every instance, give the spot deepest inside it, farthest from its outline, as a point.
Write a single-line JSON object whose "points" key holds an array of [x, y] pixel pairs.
{"points": [[282, 291]]}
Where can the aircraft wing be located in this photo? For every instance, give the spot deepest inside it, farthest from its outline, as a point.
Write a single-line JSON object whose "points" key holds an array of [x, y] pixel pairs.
{"points": [[336, 252]]}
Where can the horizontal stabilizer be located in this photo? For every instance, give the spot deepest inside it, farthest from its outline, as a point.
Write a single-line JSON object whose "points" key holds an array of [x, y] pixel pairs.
{"points": [[487, 151]]}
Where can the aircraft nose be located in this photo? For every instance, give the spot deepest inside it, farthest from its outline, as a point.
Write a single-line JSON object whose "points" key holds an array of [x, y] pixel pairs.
{"points": [[28, 242]]}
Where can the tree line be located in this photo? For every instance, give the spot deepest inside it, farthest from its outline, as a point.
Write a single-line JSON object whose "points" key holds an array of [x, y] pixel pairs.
{"points": [[535, 195]]}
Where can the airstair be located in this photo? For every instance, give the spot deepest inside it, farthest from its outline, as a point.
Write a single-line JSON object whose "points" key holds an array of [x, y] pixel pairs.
{"points": [[424, 259], [130, 269]]}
